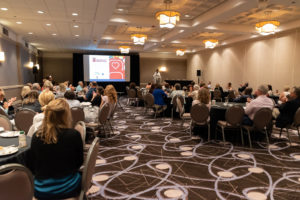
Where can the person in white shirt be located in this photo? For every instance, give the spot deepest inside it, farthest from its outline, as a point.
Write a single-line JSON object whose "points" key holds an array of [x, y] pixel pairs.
{"points": [[262, 101], [156, 77], [71, 99]]}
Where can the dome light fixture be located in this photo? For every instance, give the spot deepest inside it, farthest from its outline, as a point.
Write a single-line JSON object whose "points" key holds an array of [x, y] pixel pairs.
{"points": [[267, 27], [180, 52], [139, 39], [124, 49]]}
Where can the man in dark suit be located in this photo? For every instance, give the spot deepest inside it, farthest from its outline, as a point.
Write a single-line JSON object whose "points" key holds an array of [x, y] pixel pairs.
{"points": [[288, 110]]}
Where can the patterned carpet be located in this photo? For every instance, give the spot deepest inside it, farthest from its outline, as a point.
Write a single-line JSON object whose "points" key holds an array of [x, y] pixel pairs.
{"points": [[157, 159]]}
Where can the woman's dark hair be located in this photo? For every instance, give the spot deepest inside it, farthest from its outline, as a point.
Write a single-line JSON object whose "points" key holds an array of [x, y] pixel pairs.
{"points": [[70, 95], [248, 91], [177, 86], [167, 85], [229, 84], [132, 85], [100, 90], [270, 87], [158, 86]]}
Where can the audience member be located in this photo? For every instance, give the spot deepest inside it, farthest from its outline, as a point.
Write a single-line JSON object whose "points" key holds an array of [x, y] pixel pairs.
{"points": [[284, 95], [44, 99], [262, 101], [148, 86], [24, 92], [244, 98], [167, 89], [229, 87], [132, 86], [92, 89], [203, 97], [97, 96], [287, 110], [71, 99], [6, 105], [37, 87], [110, 97], [48, 85], [31, 102], [243, 87], [177, 92], [79, 87], [194, 93], [209, 85], [270, 90], [56, 154], [153, 86], [159, 96], [60, 92]]}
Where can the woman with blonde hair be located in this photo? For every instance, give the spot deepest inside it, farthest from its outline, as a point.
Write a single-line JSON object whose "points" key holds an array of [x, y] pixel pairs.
{"points": [[110, 97], [44, 99], [56, 154], [203, 97], [48, 85], [31, 102], [61, 90], [25, 91]]}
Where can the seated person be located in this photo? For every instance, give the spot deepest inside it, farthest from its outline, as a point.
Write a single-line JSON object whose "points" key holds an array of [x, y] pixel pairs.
{"points": [[243, 87], [31, 102], [71, 99], [24, 92], [6, 105], [177, 92], [60, 92], [203, 97], [229, 87], [244, 98], [92, 89], [262, 101], [148, 86], [56, 154], [167, 89], [110, 97], [37, 87], [194, 93], [218, 87], [97, 96], [159, 96], [283, 97], [288, 109], [270, 92], [44, 99], [47, 85], [132, 85], [79, 87]]}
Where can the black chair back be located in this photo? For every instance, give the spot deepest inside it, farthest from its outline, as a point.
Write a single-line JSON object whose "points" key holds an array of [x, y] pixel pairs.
{"points": [[297, 118], [24, 119], [217, 95], [77, 115], [131, 93], [103, 113], [262, 118], [234, 115], [149, 100], [199, 113]]}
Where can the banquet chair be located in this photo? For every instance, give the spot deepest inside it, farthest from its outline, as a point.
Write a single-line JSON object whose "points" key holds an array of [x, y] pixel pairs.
{"points": [[217, 95], [17, 104], [177, 105], [234, 117], [261, 120], [103, 116], [295, 124], [16, 182], [88, 170], [131, 96], [24, 119], [111, 115], [231, 96], [139, 96], [200, 116], [149, 103], [77, 115], [5, 123], [80, 127]]}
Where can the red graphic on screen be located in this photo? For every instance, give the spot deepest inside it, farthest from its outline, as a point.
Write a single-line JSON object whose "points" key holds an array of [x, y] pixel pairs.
{"points": [[116, 68]]}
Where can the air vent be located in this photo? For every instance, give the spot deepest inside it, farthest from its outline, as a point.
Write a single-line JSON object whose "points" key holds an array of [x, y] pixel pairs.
{"points": [[5, 31]]}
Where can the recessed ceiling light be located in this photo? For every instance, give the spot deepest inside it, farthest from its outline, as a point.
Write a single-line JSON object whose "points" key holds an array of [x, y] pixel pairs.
{"points": [[48, 24], [75, 14], [19, 22], [187, 15], [40, 12], [120, 9], [4, 9], [54, 34], [75, 26], [181, 31], [76, 35], [30, 33]]}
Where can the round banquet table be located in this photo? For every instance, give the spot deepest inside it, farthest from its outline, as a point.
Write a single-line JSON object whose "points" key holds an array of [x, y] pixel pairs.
{"points": [[18, 157], [187, 106], [217, 112]]}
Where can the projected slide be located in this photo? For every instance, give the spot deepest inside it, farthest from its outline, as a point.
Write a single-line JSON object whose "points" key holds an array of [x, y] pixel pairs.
{"points": [[107, 68]]}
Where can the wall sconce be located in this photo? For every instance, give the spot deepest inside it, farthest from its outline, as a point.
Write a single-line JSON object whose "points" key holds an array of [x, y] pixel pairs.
{"points": [[2, 56], [30, 64], [162, 69]]}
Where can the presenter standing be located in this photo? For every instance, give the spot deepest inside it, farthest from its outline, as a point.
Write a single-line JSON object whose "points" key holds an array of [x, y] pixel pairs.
{"points": [[156, 77]]}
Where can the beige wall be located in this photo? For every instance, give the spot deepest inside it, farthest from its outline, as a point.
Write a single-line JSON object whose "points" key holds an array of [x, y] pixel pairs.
{"points": [[272, 60], [176, 68], [59, 65]]}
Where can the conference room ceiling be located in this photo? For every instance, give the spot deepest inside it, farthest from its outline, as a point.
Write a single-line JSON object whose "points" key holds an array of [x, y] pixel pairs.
{"points": [[107, 24]]}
